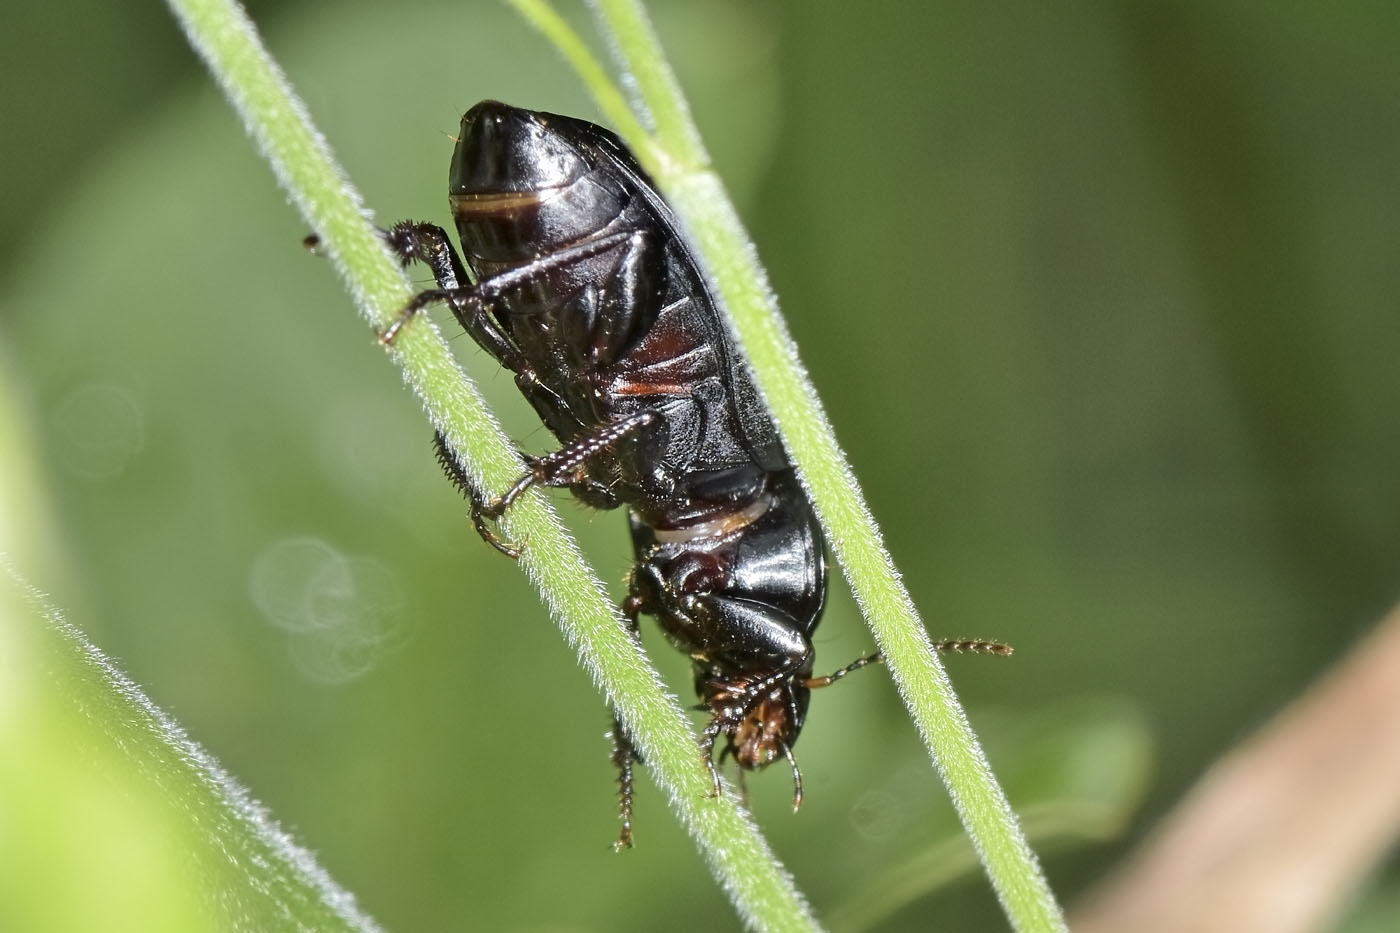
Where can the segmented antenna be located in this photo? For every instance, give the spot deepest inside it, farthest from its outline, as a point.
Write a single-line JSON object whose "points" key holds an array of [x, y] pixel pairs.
{"points": [[975, 646]]}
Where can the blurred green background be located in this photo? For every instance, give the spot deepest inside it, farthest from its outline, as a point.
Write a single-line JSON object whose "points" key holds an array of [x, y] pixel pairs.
{"points": [[1101, 300]]}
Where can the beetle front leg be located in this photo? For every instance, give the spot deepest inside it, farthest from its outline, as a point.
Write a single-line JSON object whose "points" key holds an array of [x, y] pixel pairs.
{"points": [[416, 241]]}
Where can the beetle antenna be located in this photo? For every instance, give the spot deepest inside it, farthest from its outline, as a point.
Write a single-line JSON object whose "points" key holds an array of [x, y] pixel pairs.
{"points": [[974, 646], [829, 679], [966, 646]]}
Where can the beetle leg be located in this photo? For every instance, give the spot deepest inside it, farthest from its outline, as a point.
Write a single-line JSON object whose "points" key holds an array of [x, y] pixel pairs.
{"points": [[623, 757], [560, 468], [624, 752], [468, 306], [447, 457], [428, 244], [414, 241]]}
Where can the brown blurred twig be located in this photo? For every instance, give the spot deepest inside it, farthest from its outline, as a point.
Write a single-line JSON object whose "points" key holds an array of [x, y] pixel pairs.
{"points": [[1277, 835]]}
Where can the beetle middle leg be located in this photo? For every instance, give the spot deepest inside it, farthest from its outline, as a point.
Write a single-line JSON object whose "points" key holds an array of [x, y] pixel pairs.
{"points": [[563, 467], [483, 510], [452, 466]]}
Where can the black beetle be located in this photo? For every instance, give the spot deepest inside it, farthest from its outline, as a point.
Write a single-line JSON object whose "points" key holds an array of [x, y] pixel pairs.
{"points": [[582, 285]]}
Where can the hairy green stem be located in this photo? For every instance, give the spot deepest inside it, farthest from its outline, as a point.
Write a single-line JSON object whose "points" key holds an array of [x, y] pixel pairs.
{"points": [[84, 716]]}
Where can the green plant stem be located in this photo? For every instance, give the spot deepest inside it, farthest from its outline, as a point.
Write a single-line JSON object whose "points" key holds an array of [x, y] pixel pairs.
{"points": [[113, 741], [699, 198], [761, 890]]}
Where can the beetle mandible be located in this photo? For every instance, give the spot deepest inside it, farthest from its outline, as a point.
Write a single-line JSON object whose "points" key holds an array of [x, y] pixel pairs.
{"points": [[577, 279]]}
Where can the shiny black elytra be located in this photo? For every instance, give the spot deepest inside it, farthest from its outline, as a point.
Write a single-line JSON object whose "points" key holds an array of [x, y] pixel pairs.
{"points": [[582, 286]]}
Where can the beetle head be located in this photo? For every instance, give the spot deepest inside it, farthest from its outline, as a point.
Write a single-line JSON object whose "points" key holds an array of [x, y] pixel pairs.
{"points": [[769, 727]]}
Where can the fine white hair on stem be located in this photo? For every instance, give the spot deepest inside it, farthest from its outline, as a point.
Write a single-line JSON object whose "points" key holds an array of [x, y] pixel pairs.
{"points": [[283, 876]]}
